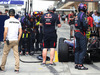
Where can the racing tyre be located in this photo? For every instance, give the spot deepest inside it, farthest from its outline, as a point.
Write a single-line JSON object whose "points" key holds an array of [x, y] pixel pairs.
{"points": [[61, 40], [63, 50]]}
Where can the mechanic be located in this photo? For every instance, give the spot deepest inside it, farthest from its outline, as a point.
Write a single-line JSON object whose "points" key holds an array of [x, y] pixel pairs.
{"points": [[32, 33], [90, 21], [71, 23], [36, 15], [94, 15], [41, 34], [6, 12], [12, 29], [81, 27], [25, 35], [49, 21], [97, 23]]}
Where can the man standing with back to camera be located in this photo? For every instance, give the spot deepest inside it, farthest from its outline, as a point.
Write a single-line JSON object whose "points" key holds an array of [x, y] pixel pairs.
{"points": [[12, 35], [80, 35], [49, 22]]}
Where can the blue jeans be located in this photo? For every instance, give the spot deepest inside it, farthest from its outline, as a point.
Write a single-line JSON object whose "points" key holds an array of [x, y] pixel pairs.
{"points": [[81, 48]]}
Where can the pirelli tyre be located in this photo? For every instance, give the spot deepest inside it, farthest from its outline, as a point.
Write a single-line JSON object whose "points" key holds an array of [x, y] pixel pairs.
{"points": [[61, 40], [63, 51]]}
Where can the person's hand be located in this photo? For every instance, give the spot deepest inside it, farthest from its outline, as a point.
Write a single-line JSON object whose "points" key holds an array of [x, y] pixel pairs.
{"points": [[94, 23], [97, 23], [5, 41], [59, 25]]}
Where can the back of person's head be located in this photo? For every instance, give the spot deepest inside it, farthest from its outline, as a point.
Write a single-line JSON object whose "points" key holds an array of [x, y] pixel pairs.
{"points": [[95, 12], [0, 13], [72, 13], [51, 8], [6, 10], [76, 11], [90, 14], [98, 13], [11, 12]]}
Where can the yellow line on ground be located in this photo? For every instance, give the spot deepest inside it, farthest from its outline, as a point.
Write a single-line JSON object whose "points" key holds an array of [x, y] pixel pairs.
{"points": [[56, 56]]}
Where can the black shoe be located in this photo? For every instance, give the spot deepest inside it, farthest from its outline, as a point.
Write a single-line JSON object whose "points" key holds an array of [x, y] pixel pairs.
{"points": [[17, 71], [52, 64], [1, 69], [82, 68], [76, 67], [43, 64]]}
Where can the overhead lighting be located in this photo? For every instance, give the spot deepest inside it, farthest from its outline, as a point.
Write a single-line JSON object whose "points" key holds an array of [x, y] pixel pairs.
{"points": [[99, 2], [63, 1]]}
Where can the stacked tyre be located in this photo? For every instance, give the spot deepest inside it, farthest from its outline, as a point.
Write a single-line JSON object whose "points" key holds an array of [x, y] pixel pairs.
{"points": [[63, 51]]}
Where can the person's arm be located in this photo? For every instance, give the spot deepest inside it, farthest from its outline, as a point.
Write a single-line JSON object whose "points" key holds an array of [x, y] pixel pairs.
{"points": [[40, 24], [58, 22], [6, 25], [41, 21], [20, 34], [85, 24], [5, 33], [59, 25]]}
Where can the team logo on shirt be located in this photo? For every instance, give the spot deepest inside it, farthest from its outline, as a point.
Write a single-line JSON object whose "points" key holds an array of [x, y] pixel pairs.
{"points": [[14, 22], [48, 16], [98, 19]]}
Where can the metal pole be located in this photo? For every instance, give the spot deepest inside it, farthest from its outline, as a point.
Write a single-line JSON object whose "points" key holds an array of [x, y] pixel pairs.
{"points": [[25, 8], [28, 6], [99, 6]]}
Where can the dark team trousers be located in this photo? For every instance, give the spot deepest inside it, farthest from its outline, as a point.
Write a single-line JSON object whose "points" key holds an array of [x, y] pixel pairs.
{"points": [[81, 47], [37, 37], [25, 44], [32, 41]]}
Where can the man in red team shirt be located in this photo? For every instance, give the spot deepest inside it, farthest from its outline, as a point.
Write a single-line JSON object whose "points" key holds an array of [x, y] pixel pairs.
{"points": [[90, 21]]}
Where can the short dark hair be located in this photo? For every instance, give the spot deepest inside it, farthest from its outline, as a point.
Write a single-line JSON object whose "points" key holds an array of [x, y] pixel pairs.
{"points": [[98, 12], [73, 12], [6, 10], [11, 12]]}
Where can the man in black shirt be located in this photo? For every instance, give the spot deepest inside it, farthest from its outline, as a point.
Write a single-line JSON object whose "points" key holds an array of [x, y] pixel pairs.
{"points": [[71, 23], [49, 22]]}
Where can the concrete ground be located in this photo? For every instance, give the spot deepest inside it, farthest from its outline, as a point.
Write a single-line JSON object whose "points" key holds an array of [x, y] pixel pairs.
{"points": [[64, 68]]}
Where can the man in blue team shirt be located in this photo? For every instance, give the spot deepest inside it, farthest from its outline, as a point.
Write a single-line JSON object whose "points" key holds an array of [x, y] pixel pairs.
{"points": [[80, 35], [49, 22], [97, 22]]}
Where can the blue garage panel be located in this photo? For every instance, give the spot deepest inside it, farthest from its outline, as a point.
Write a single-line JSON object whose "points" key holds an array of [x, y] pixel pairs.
{"points": [[2, 19], [17, 2]]}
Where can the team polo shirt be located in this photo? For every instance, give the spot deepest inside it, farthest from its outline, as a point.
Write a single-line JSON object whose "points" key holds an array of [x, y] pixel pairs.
{"points": [[13, 26], [49, 21]]}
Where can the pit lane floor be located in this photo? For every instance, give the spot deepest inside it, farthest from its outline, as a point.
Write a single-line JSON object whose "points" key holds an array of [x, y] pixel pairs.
{"points": [[64, 68]]}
